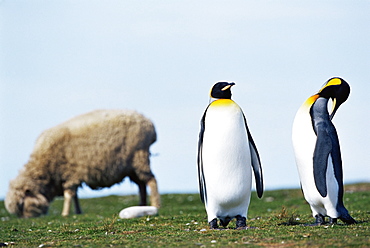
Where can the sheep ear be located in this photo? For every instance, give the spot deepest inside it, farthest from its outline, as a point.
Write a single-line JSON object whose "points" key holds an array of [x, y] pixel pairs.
{"points": [[34, 205]]}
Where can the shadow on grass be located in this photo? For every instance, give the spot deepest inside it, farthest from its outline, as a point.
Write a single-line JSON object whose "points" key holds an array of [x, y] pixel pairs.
{"points": [[296, 223], [290, 223]]}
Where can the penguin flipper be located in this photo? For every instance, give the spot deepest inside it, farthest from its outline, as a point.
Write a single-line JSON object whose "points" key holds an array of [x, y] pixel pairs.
{"points": [[256, 162], [336, 159], [202, 183], [321, 154]]}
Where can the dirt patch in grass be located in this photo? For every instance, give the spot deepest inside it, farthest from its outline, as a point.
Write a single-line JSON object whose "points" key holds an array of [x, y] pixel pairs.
{"points": [[360, 187]]}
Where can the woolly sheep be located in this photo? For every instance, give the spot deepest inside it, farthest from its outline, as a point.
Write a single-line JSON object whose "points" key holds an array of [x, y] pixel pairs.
{"points": [[99, 149]]}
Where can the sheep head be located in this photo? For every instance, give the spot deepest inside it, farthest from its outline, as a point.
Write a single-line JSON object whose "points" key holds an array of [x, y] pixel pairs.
{"points": [[25, 201]]}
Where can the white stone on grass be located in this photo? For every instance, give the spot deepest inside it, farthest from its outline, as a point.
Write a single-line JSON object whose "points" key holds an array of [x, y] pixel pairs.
{"points": [[137, 211]]}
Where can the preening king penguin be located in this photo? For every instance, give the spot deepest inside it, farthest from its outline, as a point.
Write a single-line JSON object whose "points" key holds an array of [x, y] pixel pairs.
{"points": [[317, 153], [226, 156]]}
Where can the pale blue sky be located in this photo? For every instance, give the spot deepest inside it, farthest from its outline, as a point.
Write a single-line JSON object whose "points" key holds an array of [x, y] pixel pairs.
{"points": [[59, 59]]}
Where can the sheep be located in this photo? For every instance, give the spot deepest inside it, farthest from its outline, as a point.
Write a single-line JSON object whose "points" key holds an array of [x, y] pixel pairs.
{"points": [[99, 149]]}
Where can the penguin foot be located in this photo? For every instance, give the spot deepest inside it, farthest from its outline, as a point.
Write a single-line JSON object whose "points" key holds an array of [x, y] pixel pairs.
{"points": [[241, 222], [332, 221], [320, 219], [213, 224]]}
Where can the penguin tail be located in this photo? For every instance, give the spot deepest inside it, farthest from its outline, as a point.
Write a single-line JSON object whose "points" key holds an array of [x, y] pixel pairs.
{"points": [[225, 221], [347, 219]]}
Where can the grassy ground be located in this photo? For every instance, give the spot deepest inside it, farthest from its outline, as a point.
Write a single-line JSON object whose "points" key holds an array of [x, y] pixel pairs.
{"points": [[278, 218]]}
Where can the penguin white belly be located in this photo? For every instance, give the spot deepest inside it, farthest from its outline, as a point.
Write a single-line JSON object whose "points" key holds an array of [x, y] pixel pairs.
{"points": [[304, 142], [226, 162]]}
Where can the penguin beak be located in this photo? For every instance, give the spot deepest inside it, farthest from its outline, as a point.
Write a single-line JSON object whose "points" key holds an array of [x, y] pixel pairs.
{"points": [[334, 108], [227, 86], [340, 98], [338, 90]]}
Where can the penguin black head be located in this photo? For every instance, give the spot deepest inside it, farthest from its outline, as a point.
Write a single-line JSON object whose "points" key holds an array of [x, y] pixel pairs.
{"points": [[338, 90], [221, 90]]}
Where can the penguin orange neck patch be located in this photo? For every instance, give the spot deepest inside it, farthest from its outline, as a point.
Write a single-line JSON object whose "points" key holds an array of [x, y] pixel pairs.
{"points": [[222, 102], [311, 100]]}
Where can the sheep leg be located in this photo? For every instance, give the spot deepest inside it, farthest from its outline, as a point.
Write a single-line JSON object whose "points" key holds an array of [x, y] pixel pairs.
{"points": [[142, 189], [155, 199], [142, 192], [143, 177], [77, 204], [68, 194]]}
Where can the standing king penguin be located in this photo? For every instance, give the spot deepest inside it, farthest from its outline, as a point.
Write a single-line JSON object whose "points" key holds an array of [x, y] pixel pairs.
{"points": [[226, 154], [317, 153]]}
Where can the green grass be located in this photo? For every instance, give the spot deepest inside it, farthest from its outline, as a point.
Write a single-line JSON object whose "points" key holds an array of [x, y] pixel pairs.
{"points": [[278, 218]]}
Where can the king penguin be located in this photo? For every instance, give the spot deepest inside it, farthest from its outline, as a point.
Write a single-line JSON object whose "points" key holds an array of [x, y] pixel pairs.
{"points": [[226, 156], [317, 152]]}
